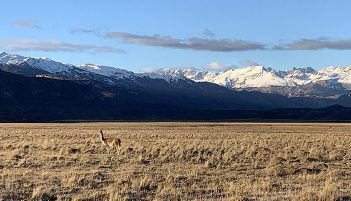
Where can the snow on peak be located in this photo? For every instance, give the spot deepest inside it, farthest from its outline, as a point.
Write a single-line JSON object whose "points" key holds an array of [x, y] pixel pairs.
{"points": [[42, 63], [3, 54], [341, 74], [6, 58], [259, 76], [50, 65], [249, 77], [185, 73], [252, 76], [107, 71], [299, 76], [170, 74]]}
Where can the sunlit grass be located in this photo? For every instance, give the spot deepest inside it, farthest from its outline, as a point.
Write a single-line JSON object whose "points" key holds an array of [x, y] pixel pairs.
{"points": [[175, 161]]}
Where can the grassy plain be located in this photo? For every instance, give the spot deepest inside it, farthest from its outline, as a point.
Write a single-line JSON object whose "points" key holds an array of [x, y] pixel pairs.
{"points": [[176, 161]]}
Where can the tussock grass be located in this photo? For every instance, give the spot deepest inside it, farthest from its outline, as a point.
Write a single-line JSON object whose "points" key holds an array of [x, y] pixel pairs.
{"points": [[176, 161]]}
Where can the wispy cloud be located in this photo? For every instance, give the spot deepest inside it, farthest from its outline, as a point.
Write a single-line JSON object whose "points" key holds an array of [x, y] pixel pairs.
{"points": [[208, 33], [84, 31], [147, 69], [216, 66], [53, 46], [316, 44], [194, 43], [249, 62], [26, 24]]}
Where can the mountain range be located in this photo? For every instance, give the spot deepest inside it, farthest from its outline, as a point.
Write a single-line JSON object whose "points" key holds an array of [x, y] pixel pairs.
{"points": [[330, 82], [40, 89]]}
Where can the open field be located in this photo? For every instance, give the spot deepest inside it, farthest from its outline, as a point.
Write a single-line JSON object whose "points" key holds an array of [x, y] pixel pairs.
{"points": [[176, 161]]}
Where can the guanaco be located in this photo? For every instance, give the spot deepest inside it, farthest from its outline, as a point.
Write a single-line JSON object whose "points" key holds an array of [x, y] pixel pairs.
{"points": [[111, 142]]}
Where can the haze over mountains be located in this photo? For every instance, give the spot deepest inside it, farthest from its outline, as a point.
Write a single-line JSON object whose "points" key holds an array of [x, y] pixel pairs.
{"points": [[40, 89]]}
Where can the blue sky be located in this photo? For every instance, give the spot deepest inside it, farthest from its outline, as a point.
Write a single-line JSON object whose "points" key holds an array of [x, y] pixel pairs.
{"points": [[185, 33]]}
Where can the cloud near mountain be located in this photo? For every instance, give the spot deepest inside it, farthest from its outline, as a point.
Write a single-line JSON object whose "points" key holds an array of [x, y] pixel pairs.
{"points": [[316, 44], [227, 45], [53, 46], [193, 43]]}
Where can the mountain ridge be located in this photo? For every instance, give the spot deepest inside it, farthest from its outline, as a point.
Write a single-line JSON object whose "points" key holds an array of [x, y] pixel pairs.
{"points": [[259, 78], [30, 93], [331, 82]]}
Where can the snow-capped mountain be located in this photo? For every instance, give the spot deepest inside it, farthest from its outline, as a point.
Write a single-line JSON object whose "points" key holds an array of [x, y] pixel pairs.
{"points": [[253, 76], [259, 76], [107, 71], [45, 64], [263, 79], [118, 73], [49, 68], [327, 82], [189, 73]]}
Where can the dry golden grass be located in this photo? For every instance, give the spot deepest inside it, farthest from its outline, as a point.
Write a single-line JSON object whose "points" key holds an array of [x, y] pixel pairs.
{"points": [[176, 161]]}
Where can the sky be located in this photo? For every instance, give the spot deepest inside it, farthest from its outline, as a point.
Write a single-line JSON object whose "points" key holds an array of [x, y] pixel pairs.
{"points": [[204, 34]]}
